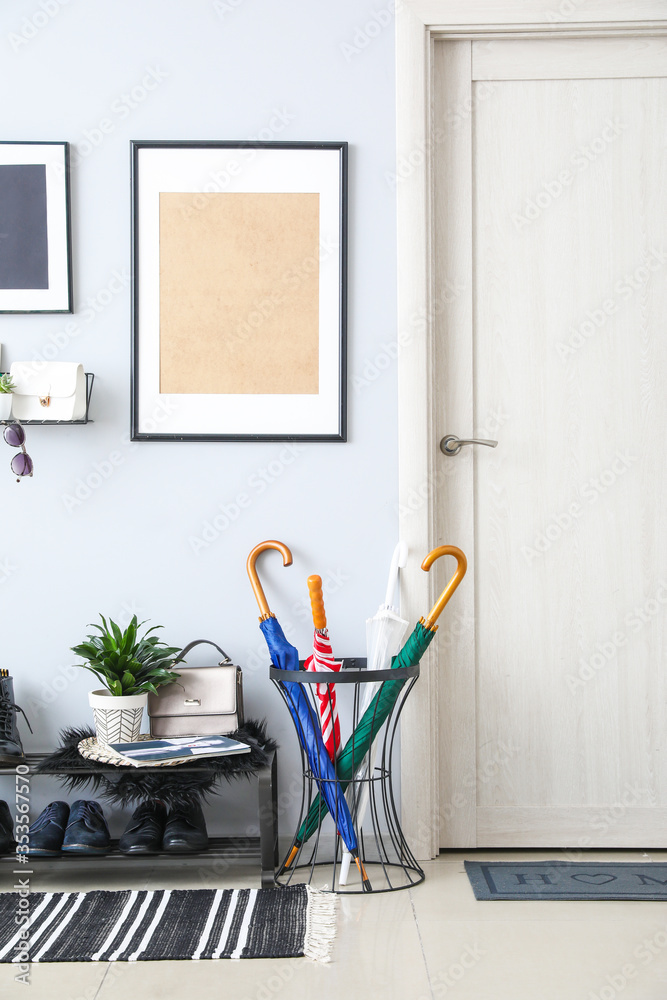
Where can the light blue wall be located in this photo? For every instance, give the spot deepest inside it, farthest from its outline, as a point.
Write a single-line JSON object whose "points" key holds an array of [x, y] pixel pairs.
{"points": [[328, 70]]}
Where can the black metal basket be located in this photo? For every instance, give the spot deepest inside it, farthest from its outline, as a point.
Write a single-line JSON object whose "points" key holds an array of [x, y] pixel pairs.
{"points": [[383, 850]]}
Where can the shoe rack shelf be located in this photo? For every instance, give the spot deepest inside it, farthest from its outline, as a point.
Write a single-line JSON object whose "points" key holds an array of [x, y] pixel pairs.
{"points": [[386, 856], [220, 852]]}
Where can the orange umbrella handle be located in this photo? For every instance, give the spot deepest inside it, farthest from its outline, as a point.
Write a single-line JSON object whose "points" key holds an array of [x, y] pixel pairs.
{"points": [[254, 578], [317, 602], [462, 565]]}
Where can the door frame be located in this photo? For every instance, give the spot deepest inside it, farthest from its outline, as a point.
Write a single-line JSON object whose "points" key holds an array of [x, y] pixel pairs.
{"points": [[419, 24]]}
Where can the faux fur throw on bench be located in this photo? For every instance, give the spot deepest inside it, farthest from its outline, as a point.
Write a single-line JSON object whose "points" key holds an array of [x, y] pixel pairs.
{"points": [[127, 785]]}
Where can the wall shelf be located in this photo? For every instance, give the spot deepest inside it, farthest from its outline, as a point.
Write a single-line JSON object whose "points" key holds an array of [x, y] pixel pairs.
{"points": [[90, 378]]}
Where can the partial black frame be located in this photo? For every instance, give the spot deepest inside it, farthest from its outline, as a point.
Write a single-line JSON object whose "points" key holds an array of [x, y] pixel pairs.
{"points": [[135, 147], [68, 214]]}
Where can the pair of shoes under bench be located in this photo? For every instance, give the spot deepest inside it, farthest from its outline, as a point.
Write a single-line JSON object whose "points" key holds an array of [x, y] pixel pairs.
{"points": [[81, 829], [151, 830]]}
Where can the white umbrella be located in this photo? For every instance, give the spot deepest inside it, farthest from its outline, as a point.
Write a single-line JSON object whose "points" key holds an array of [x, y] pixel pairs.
{"points": [[384, 634]]}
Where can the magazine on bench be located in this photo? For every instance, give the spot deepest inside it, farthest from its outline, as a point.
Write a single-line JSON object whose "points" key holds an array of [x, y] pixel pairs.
{"points": [[179, 749]]}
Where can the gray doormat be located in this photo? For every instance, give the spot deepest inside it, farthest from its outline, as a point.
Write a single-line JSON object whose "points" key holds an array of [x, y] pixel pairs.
{"points": [[182, 924], [567, 880]]}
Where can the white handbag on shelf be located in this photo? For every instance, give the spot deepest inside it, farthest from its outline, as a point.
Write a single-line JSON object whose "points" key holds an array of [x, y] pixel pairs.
{"points": [[54, 390]]}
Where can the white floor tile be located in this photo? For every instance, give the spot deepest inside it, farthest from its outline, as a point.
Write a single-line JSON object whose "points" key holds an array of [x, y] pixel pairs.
{"points": [[521, 950], [73, 981]]}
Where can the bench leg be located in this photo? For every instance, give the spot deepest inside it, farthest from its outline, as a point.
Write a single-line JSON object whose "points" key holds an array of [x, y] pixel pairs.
{"points": [[268, 821]]}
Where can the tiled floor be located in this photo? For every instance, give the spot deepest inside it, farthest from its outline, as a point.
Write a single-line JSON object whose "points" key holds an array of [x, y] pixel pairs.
{"points": [[430, 942]]}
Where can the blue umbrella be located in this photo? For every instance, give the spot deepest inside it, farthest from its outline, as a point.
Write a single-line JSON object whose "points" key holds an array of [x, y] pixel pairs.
{"points": [[284, 656]]}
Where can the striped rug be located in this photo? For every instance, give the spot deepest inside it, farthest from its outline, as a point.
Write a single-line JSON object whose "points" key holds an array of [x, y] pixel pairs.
{"points": [[179, 924]]}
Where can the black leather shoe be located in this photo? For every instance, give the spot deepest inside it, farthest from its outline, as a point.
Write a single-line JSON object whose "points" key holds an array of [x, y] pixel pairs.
{"points": [[87, 831], [11, 749], [143, 834], [185, 831], [47, 832], [7, 842]]}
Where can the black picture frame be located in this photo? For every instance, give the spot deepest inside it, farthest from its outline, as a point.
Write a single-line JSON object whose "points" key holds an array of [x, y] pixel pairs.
{"points": [[36, 227], [146, 157]]}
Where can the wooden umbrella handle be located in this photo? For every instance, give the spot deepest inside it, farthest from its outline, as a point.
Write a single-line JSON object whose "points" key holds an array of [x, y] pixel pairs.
{"points": [[459, 573], [254, 578], [317, 602]]}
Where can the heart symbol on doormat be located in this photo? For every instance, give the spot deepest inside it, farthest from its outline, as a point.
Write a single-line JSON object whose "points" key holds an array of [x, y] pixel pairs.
{"points": [[596, 879]]}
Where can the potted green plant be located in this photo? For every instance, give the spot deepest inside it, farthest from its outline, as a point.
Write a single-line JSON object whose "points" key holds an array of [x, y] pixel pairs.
{"points": [[129, 666], [7, 387]]}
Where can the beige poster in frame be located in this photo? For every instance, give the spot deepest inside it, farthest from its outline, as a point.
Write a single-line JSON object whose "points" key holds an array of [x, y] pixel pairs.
{"points": [[239, 260]]}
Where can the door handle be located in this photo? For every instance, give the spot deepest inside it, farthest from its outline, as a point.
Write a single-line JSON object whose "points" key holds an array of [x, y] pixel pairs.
{"points": [[451, 445]]}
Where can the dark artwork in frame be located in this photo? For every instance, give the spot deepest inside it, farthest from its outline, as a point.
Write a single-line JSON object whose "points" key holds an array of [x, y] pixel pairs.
{"points": [[24, 248], [35, 228]]}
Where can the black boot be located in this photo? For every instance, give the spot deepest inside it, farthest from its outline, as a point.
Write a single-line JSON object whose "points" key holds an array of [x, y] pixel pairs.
{"points": [[11, 749], [7, 842]]}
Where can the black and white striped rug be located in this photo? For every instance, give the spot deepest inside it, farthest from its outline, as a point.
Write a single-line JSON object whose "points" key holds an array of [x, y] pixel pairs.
{"points": [[179, 924]]}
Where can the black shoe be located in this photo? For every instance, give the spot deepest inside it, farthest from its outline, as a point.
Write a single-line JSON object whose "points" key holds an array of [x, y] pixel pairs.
{"points": [[185, 831], [11, 749], [87, 831], [7, 842], [143, 834], [47, 832]]}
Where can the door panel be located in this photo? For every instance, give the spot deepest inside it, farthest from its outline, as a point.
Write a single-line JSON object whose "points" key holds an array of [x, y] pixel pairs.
{"points": [[569, 59], [566, 640]]}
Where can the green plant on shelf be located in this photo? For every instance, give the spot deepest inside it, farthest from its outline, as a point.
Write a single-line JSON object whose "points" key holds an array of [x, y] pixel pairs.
{"points": [[125, 663], [6, 384]]}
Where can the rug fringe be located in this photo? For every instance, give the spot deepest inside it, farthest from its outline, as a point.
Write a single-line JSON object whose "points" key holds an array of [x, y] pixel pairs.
{"points": [[320, 925]]}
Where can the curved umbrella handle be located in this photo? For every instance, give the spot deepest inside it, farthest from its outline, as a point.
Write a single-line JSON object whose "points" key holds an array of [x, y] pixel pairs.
{"points": [[461, 567], [254, 578]]}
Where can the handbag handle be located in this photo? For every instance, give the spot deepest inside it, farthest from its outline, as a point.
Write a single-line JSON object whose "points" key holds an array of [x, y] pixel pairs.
{"points": [[197, 642]]}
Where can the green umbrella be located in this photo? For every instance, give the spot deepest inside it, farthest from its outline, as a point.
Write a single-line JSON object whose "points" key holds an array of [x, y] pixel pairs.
{"points": [[356, 748]]}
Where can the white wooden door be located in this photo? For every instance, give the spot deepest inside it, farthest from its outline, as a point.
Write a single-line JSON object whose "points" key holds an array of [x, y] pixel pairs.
{"points": [[550, 296]]}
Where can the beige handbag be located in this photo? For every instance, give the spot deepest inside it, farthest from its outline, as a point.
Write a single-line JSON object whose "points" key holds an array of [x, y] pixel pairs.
{"points": [[205, 701]]}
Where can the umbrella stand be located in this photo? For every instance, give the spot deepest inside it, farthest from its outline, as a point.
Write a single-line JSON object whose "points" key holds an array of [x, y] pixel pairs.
{"points": [[383, 850]]}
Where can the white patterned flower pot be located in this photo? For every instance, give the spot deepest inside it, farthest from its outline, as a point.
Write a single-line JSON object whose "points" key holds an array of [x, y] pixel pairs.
{"points": [[5, 405], [117, 719]]}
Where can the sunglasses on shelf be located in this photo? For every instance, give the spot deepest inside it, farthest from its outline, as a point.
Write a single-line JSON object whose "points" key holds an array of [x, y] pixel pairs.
{"points": [[21, 464]]}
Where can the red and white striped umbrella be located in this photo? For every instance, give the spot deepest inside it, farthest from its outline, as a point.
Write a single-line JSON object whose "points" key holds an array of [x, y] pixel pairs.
{"points": [[322, 659]]}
